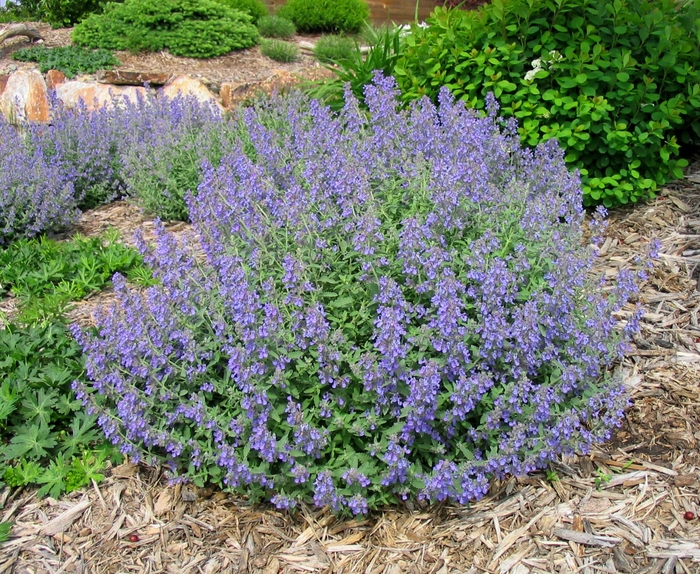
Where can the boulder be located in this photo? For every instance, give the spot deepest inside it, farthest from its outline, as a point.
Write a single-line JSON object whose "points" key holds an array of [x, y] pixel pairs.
{"points": [[3, 82], [123, 78], [189, 87], [236, 93], [53, 78], [25, 97], [95, 95]]}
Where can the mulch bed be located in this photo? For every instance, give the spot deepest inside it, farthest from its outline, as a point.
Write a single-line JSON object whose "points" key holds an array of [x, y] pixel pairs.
{"points": [[617, 509], [241, 66]]}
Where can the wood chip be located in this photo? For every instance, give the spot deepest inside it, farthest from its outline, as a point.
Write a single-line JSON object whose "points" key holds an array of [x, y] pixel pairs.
{"points": [[65, 519], [586, 539]]}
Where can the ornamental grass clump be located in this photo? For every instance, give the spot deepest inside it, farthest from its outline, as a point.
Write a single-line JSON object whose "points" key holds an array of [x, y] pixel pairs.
{"points": [[372, 308]]}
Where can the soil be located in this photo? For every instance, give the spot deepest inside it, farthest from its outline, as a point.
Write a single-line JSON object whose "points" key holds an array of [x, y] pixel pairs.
{"points": [[619, 508], [243, 66]]}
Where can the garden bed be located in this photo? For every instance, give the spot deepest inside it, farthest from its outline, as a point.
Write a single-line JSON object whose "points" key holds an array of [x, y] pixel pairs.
{"points": [[619, 509], [242, 66]]}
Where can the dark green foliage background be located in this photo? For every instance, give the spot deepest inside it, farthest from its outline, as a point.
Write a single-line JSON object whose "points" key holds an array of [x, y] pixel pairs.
{"points": [[256, 9], [623, 97]]}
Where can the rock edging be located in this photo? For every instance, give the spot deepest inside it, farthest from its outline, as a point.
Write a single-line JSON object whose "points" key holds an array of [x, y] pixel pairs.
{"points": [[25, 94]]}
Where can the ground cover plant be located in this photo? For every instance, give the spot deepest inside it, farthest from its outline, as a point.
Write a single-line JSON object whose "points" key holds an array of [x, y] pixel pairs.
{"points": [[276, 27], [615, 81], [279, 50], [70, 60], [46, 275], [46, 438], [375, 307], [336, 16], [189, 28]]}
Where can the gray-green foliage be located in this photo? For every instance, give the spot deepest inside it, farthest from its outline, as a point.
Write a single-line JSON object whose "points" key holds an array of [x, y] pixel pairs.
{"points": [[279, 50], [276, 27], [332, 49], [189, 28]]}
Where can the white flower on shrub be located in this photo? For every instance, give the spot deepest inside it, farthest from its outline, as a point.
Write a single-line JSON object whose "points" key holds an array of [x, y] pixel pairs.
{"points": [[406, 28], [537, 65]]}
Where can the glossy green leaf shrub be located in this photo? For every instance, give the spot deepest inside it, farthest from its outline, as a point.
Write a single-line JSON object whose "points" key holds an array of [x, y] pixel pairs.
{"points": [[189, 28], [279, 50], [616, 82], [70, 60], [326, 15], [276, 27], [256, 9]]}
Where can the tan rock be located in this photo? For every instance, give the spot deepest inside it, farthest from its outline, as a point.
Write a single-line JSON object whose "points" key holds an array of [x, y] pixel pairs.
{"points": [[236, 93], [95, 95], [124, 78], [3, 82], [25, 97], [189, 87], [53, 78]]}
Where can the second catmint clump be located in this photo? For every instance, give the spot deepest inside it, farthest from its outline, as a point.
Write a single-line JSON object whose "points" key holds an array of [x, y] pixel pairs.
{"points": [[374, 307]]}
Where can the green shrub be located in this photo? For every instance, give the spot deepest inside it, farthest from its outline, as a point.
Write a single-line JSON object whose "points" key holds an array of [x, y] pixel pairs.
{"points": [[46, 437], [70, 60], [62, 13], [326, 15], [189, 28], [615, 81], [276, 27], [333, 49], [24, 10], [256, 9], [279, 50]]}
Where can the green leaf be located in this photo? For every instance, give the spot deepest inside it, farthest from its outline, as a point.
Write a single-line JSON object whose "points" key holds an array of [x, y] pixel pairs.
{"points": [[35, 442], [54, 478]]}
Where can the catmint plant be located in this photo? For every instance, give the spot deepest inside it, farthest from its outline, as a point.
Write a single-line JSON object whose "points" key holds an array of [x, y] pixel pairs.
{"points": [[373, 307], [35, 194]]}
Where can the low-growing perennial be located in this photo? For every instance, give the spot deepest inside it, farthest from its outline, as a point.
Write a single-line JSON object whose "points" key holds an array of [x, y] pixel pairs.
{"points": [[373, 308]]}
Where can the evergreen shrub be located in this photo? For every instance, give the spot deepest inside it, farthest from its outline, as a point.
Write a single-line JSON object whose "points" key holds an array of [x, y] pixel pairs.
{"points": [[189, 28]]}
